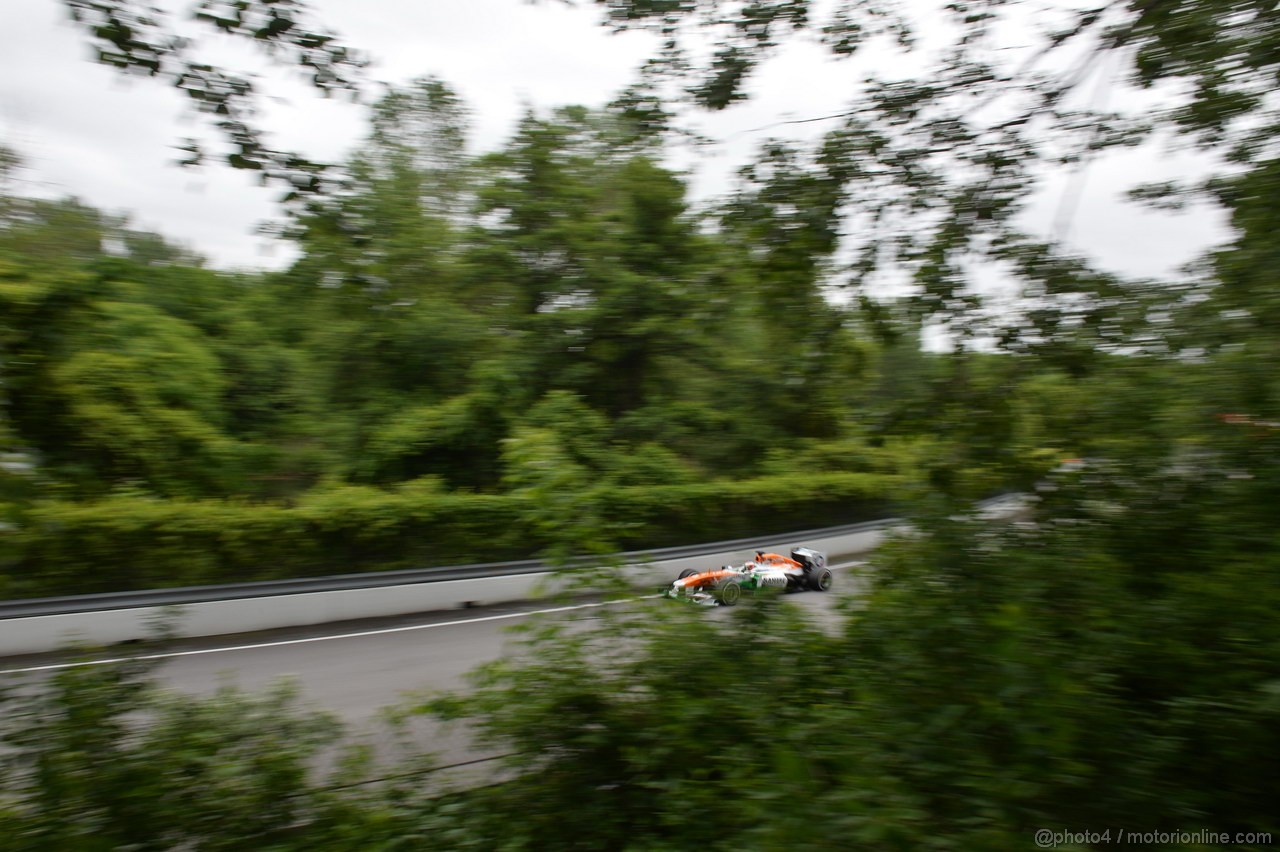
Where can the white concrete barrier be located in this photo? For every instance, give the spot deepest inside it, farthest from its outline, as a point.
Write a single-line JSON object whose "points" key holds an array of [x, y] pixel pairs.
{"points": [[39, 634]]}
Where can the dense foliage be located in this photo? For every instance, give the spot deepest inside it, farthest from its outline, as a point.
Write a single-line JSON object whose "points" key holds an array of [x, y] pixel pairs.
{"points": [[468, 350], [547, 337], [1112, 664], [137, 542]]}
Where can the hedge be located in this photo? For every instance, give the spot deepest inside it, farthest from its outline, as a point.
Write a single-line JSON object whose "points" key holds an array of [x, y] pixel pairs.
{"points": [[134, 543], [664, 516]]}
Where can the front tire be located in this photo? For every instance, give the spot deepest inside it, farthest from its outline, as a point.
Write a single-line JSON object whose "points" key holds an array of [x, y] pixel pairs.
{"points": [[688, 572], [729, 592]]}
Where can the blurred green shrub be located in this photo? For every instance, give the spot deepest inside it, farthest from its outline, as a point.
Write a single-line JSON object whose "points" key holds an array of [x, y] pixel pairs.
{"points": [[98, 758], [132, 542], [670, 515]]}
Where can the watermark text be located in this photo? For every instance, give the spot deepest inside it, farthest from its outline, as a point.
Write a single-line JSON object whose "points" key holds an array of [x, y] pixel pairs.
{"points": [[1049, 839]]}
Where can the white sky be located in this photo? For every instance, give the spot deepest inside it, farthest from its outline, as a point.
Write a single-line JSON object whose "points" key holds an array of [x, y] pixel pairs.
{"points": [[86, 131]]}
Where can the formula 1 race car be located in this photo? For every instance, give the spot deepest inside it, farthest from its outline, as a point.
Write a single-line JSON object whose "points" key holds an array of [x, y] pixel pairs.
{"points": [[804, 569]]}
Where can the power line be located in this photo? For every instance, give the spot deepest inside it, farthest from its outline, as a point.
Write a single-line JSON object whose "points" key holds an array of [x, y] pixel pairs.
{"points": [[416, 773], [1073, 192]]}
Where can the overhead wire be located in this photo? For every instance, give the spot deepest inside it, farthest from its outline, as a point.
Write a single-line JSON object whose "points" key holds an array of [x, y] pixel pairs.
{"points": [[1022, 70], [1073, 192], [415, 773]]}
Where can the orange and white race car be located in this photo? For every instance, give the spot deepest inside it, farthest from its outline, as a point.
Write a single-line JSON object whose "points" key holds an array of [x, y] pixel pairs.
{"points": [[804, 569]]}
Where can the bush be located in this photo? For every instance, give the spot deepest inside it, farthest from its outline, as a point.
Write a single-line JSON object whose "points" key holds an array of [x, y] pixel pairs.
{"points": [[132, 542], [720, 510]]}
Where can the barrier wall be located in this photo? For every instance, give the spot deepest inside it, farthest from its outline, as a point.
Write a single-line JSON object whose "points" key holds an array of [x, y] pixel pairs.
{"points": [[39, 634]]}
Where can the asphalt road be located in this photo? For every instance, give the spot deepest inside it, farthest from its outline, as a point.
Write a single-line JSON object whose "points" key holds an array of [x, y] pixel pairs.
{"points": [[357, 668]]}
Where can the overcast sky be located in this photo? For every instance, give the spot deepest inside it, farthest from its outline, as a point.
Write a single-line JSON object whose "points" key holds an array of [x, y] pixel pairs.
{"points": [[86, 131]]}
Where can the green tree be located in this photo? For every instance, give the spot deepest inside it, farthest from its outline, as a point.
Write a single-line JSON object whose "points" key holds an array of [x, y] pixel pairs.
{"points": [[1079, 668], [123, 358], [142, 397]]}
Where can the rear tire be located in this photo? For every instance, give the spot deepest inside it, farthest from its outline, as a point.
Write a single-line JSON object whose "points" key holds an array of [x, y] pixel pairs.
{"points": [[820, 579]]}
